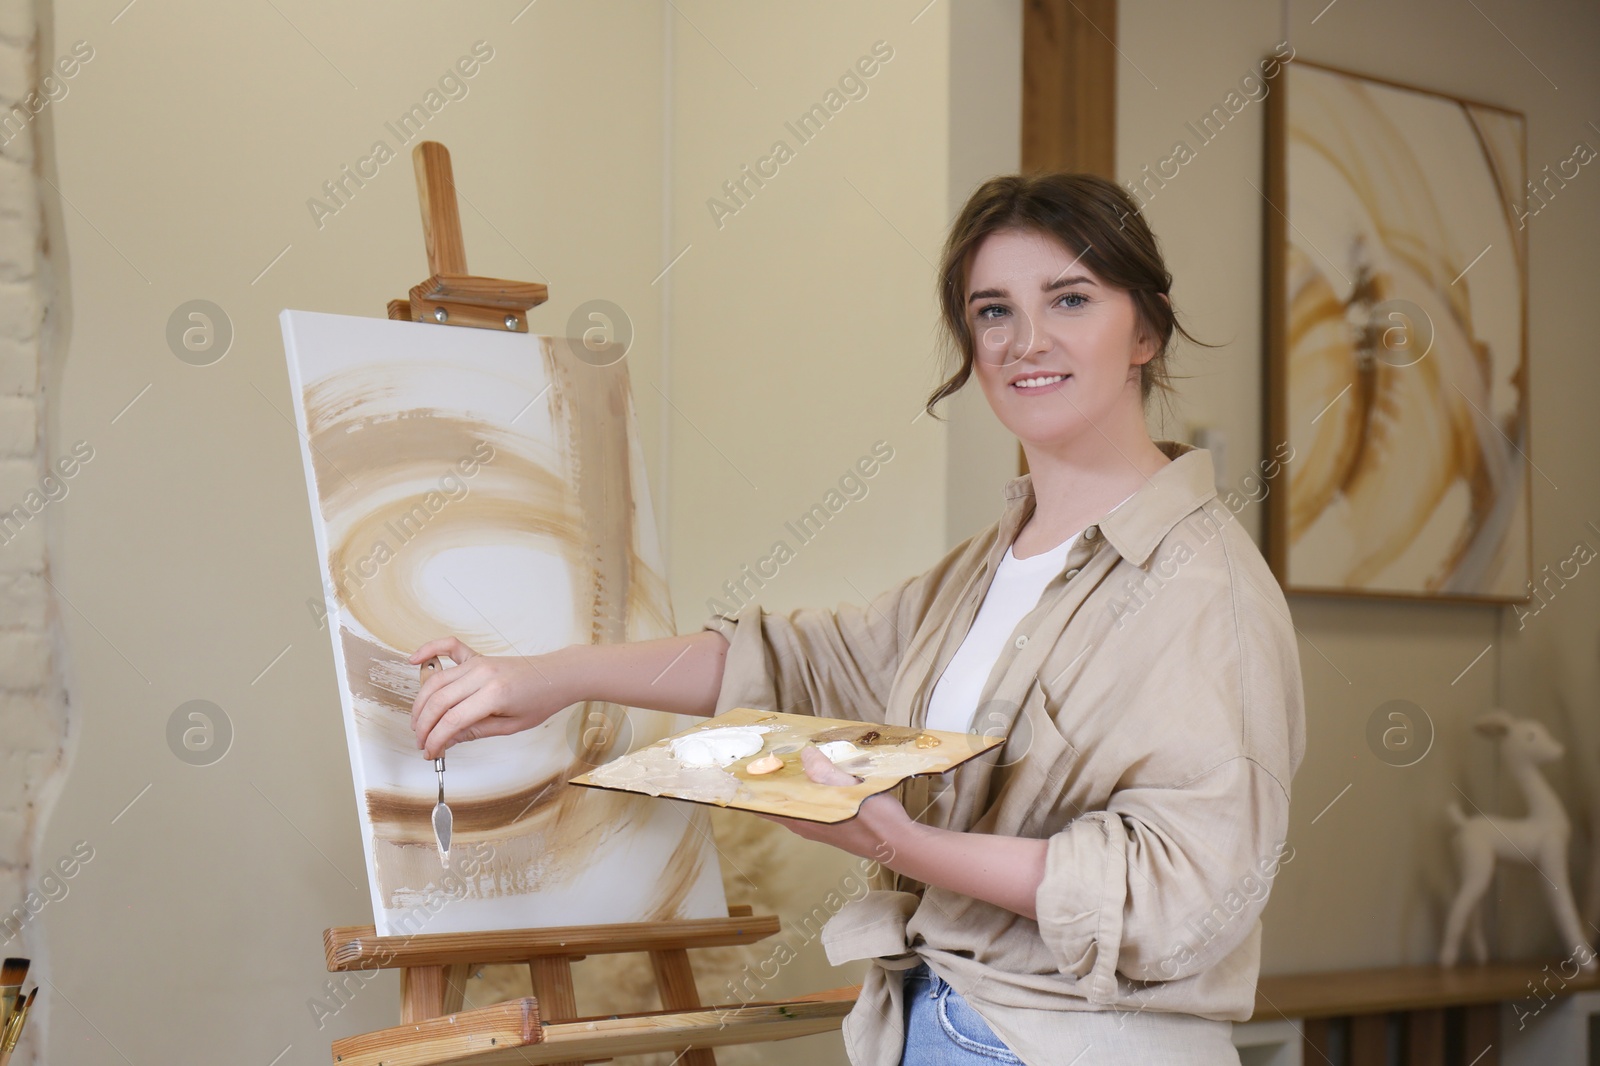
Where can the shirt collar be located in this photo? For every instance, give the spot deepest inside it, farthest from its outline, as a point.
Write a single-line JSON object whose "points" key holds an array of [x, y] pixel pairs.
{"points": [[1137, 526]]}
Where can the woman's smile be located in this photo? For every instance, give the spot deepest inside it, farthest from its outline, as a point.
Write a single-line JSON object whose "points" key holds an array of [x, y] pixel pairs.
{"points": [[1037, 382]]}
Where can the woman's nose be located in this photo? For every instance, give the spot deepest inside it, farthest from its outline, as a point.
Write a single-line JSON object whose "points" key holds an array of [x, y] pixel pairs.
{"points": [[1037, 340], [1028, 338]]}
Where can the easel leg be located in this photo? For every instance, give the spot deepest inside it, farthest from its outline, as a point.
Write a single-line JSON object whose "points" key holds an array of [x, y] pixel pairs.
{"points": [[431, 991], [552, 986], [455, 986], [675, 979]]}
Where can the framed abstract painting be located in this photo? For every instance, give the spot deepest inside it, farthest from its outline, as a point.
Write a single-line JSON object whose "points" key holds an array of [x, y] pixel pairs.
{"points": [[1396, 322]]}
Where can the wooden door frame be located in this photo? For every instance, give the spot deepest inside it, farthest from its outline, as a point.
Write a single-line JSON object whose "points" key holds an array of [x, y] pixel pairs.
{"points": [[1069, 91]]}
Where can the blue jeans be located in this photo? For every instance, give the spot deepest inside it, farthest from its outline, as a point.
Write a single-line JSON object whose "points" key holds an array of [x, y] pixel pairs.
{"points": [[942, 1029]]}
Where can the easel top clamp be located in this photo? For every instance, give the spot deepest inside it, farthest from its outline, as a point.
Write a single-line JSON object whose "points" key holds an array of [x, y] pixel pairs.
{"points": [[450, 296], [434, 967]]}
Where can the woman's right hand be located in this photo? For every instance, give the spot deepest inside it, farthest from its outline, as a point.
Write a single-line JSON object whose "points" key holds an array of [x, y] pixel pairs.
{"points": [[481, 696]]}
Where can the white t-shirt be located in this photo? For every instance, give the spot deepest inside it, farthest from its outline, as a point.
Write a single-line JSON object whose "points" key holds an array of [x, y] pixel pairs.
{"points": [[1017, 586]]}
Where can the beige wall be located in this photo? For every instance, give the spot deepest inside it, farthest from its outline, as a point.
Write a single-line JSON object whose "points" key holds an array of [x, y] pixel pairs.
{"points": [[1370, 878], [802, 326]]}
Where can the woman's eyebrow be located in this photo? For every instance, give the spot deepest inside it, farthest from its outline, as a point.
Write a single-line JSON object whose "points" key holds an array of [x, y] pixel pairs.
{"points": [[1049, 286], [1059, 283]]}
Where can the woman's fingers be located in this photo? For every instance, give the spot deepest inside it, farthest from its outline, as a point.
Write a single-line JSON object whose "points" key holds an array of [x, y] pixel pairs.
{"points": [[460, 722], [444, 692], [450, 647], [820, 768], [432, 681], [480, 696]]}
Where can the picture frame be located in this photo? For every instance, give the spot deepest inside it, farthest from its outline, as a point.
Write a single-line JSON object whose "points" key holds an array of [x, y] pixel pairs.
{"points": [[1397, 378]]}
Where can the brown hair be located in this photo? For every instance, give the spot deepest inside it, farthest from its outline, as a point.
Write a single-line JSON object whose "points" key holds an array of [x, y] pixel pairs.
{"points": [[1098, 221]]}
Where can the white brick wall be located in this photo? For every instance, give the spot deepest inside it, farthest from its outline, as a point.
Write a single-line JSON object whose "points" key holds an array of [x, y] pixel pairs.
{"points": [[32, 706]]}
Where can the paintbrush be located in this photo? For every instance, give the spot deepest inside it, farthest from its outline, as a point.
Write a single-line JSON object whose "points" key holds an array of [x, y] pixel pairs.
{"points": [[12, 975], [13, 1029], [442, 818]]}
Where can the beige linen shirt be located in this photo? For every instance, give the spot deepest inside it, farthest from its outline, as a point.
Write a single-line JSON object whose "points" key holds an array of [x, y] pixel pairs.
{"points": [[1154, 717]]}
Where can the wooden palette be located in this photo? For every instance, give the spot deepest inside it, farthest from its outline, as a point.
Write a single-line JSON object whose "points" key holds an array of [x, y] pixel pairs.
{"points": [[890, 755]]}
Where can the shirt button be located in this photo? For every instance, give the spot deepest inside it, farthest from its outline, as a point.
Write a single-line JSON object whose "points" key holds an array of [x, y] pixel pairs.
{"points": [[1091, 533], [1022, 640], [1072, 573]]}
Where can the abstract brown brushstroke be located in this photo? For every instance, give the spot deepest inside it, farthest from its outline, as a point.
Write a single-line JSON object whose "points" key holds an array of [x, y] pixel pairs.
{"points": [[542, 830]]}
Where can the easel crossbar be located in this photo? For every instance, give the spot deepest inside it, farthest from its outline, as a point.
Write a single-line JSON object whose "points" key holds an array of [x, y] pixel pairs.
{"points": [[501, 1035], [358, 947]]}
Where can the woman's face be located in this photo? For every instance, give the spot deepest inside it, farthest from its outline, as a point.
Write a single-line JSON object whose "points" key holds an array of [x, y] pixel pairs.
{"points": [[1054, 348]]}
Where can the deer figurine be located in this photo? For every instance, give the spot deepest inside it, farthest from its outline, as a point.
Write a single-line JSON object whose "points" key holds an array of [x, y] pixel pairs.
{"points": [[1539, 839]]}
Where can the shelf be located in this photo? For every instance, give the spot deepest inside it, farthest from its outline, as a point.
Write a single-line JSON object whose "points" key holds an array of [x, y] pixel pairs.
{"points": [[1340, 993]]}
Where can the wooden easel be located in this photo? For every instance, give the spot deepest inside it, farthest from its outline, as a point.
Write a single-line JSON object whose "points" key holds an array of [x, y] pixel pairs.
{"points": [[544, 1027]]}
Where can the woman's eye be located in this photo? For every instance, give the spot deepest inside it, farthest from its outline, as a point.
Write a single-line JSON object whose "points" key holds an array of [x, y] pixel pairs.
{"points": [[1080, 297], [984, 312]]}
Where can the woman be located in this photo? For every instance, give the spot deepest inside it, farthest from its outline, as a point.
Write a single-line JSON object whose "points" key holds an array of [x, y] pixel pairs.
{"points": [[1089, 891]]}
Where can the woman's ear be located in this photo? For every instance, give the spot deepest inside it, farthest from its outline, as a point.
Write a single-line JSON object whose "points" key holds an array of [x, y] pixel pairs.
{"points": [[1147, 348]]}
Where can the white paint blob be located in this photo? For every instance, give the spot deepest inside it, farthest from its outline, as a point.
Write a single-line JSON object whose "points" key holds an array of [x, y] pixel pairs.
{"points": [[718, 747], [840, 750]]}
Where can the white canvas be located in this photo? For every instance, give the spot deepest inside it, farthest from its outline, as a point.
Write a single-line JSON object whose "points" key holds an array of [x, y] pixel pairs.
{"points": [[489, 486]]}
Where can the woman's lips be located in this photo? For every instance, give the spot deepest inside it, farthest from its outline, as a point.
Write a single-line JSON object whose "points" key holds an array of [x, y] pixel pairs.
{"points": [[1051, 387]]}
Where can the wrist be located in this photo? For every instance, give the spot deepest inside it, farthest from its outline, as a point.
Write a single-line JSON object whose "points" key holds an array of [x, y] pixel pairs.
{"points": [[899, 834], [569, 674]]}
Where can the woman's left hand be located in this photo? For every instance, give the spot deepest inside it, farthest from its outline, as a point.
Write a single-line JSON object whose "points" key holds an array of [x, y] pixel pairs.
{"points": [[874, 833]]}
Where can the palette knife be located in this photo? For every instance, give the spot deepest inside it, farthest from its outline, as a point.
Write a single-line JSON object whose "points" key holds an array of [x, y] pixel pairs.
{"points": [[442, 819]]}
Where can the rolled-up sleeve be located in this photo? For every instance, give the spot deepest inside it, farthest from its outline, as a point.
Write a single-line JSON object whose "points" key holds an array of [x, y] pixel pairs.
{"points": [[833, 663], [1165, 882], [1170, 877]]}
